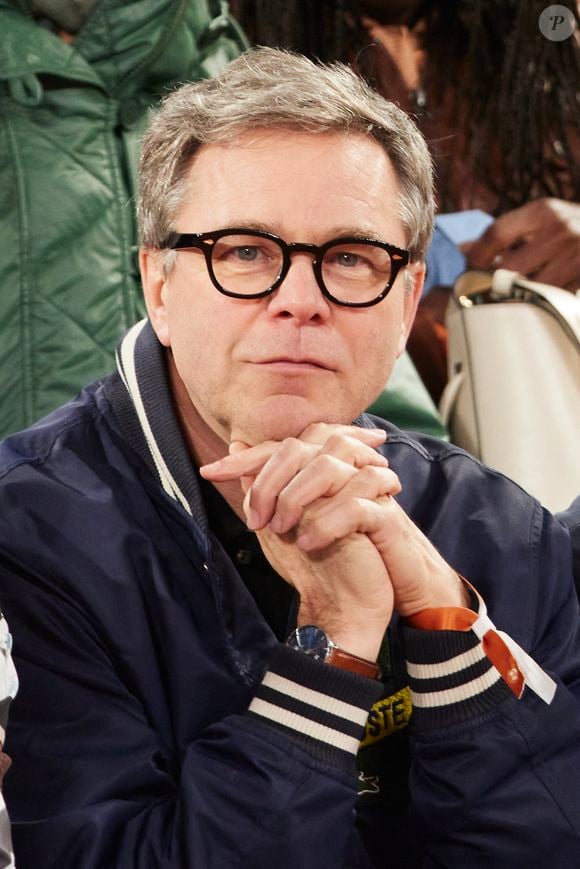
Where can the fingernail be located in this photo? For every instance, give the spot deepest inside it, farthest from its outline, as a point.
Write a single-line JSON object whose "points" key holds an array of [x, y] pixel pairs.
{"points": [[206, 470], [210, 465]]}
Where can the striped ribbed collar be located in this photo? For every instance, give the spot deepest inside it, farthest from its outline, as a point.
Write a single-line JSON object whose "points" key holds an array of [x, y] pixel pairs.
{"points": [[143, 406], [142, 403]]}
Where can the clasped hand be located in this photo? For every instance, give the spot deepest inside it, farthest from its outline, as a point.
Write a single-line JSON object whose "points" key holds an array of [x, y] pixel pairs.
{"points": [[324, 510]]}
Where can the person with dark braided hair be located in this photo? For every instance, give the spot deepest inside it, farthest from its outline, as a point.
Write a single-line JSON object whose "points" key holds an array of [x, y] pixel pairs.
{"points": [[496, 99]]}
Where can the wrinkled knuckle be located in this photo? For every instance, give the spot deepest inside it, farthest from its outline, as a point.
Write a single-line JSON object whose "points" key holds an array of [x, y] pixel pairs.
{"points": [[372, 473], [366, 474], [336, 441], [288, 445], [359, 506], [325, 463]]}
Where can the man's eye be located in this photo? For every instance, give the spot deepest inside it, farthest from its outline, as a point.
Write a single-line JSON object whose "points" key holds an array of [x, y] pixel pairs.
{"points": [[348, 259], [345, 258], [246, 254]]}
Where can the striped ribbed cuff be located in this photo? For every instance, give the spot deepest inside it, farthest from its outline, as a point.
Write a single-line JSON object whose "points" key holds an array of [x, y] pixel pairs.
{"points": [[323, 708], [450, 676]]}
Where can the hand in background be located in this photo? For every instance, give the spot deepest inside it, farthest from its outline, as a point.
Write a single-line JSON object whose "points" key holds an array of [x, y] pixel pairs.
{"points": [[541, 240]]}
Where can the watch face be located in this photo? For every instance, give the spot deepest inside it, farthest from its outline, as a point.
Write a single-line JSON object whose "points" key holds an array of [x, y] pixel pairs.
{"points": [[310, 640]]}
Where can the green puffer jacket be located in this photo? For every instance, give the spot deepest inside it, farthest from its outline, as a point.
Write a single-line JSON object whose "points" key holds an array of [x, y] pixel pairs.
{"points": [[71, 117]]}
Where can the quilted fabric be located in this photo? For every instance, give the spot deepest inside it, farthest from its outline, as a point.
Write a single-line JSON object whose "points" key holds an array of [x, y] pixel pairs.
{"points": [[71, 118]]}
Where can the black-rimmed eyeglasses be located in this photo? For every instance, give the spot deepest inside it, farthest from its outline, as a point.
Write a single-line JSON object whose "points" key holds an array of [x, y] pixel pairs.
{"points": [[250, 264]]}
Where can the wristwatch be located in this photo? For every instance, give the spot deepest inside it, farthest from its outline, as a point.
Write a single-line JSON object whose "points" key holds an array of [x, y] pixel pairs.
{"points": [[314, 642]]}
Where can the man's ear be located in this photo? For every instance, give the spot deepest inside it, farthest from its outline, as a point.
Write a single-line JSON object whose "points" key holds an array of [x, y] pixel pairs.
{"points": [[155, 291], [414, 278]]}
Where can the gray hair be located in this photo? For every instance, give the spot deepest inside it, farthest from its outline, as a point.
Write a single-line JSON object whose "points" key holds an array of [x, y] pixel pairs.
{"points": [[275, 89]]}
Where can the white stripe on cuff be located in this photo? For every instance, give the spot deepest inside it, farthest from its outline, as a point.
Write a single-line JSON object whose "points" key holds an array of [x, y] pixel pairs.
{"points": [[303, 725], [445, 668], [455, 695], [315, 698]]}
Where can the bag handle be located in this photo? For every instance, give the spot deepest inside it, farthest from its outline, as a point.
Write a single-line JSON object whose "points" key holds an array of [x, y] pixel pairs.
{"points": [[476, 287], [510, 284]]}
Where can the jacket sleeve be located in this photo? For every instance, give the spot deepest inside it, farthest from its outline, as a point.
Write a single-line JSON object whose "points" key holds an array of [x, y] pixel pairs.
{"points": [[272, 787], [495, 777]]}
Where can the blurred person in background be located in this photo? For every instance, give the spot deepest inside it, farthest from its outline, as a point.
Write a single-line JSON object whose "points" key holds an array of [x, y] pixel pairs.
{"points": [[499, 104]]}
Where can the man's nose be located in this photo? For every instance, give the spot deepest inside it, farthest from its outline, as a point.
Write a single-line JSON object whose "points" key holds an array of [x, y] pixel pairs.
{"points": [[299, 295]]}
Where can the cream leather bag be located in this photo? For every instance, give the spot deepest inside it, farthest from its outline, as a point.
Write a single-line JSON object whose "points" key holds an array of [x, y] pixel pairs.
{"points": [[513, 396]]}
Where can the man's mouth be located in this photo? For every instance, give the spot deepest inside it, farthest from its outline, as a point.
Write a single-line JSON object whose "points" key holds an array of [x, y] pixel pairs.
{"points": [[290, 365], [297, 362]]}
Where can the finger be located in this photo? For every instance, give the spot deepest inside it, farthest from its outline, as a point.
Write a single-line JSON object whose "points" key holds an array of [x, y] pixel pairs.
{"points": [[529, 257], [238, 447], [363, 516], [342, 445], [320, 432], [306, 489], [319, 470], [508, 230], [251, 460], [563, 269], [285, 462], [239, 463], [419, 575], [371, 484], [327, 475], [245, 483], [323, 477]]}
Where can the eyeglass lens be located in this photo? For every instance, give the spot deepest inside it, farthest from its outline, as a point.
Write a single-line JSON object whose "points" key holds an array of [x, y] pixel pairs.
{"points": [[351, 271]]}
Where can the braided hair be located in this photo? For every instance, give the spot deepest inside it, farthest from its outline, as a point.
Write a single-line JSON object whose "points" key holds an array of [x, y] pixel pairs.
{"points": [[512, 93], [517, 94]]}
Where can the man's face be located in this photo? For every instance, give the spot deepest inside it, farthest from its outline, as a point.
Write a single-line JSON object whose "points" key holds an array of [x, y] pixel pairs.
{"points": [[265, 368]]}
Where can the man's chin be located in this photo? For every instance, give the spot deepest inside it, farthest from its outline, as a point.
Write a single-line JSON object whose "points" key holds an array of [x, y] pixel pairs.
{"points": [[285, 417]]}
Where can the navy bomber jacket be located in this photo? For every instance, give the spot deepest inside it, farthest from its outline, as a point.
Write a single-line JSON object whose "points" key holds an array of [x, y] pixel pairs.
{"points": [[160, 723]]}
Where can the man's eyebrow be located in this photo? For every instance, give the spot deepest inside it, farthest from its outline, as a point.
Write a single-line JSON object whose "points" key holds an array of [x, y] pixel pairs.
{"points": [[251, 224], [333, 232], [359, 231]]}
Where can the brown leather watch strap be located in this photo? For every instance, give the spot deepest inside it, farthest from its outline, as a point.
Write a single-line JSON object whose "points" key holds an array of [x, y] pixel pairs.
{"points": [[339, 658]]}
